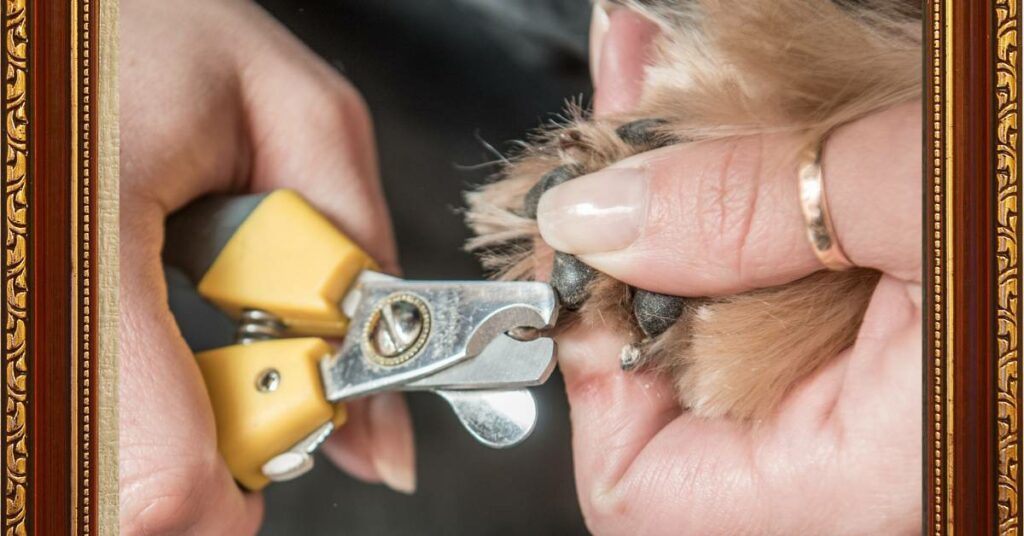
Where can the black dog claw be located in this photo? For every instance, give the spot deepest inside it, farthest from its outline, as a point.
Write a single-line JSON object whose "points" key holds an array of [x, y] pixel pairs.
{"points": [[570, 277], [645, 133], [655, 312]]}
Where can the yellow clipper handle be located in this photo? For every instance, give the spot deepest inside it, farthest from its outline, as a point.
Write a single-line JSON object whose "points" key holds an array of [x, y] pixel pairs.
{"points": [[272, 252], [266, 396], [275, 253]]}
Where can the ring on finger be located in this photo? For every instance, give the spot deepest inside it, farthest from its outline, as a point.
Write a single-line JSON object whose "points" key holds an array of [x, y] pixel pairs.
{"points": [[814, 204]]}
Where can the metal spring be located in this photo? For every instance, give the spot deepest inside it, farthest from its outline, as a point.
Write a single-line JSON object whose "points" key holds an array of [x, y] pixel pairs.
{"points": [[258, 325]]}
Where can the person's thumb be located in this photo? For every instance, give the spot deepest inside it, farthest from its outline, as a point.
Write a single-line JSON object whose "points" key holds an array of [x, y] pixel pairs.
{"points": [[720, 217]]}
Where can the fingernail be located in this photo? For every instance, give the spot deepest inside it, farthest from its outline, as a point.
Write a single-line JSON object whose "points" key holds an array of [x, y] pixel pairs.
{"points": [[393, 456], [596, 213], [599, 23], [550, 179]]}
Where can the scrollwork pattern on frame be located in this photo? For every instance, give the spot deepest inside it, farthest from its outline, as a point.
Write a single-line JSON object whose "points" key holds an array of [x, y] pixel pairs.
{"points": [[1008, 264], [15, 269]]}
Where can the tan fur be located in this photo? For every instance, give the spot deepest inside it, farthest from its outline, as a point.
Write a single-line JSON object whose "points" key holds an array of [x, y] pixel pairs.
{"points": [[725, 68]]}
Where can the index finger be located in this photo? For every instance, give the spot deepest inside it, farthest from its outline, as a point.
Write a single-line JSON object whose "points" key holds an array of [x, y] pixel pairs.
{"points": [[318, 141]]}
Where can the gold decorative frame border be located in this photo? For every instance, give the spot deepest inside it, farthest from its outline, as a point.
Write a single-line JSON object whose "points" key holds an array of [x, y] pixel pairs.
{"points": [[31, 219], [15, 266], [1008, 275], [973, 482]]}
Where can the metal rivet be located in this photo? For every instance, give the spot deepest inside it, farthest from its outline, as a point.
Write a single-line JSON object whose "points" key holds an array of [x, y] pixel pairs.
{"points": [[397, 330], [268, 380]]}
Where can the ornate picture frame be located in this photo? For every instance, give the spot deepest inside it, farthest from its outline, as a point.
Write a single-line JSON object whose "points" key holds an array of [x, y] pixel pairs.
{"points": [[59, 223], [972, 443], [60, 261]]}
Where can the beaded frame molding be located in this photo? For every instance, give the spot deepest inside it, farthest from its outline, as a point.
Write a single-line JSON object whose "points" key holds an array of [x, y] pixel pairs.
{"points": [[972, 280]]}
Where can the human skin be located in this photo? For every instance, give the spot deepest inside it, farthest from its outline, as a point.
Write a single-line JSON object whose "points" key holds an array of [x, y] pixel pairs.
{"points": [[216, 96], [842, 454]]}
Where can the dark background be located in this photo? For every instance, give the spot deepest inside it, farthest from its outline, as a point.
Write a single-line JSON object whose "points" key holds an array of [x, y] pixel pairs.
{"points": [[444, 78]]}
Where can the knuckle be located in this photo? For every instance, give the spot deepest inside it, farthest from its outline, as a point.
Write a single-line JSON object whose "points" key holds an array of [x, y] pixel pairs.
{"points": [[337, 102], [726, 200]]}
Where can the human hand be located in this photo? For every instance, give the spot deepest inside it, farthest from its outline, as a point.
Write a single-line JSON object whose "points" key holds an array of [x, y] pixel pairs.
{"points": [[842, 453], [218, 97]]}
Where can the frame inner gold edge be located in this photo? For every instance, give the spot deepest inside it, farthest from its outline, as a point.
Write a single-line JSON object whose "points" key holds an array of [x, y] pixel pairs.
{"points": [[947, 229], [75, 316]]}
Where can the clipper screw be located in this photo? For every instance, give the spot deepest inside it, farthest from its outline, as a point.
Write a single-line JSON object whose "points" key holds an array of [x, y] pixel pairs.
{"points": [[397, 329]]}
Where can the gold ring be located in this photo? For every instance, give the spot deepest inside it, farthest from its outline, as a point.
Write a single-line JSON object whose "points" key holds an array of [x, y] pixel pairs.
{"points": [[820, 231]]}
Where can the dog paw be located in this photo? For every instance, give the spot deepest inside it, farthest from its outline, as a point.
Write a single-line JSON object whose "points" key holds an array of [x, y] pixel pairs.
{"points": [[730, 355]]}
